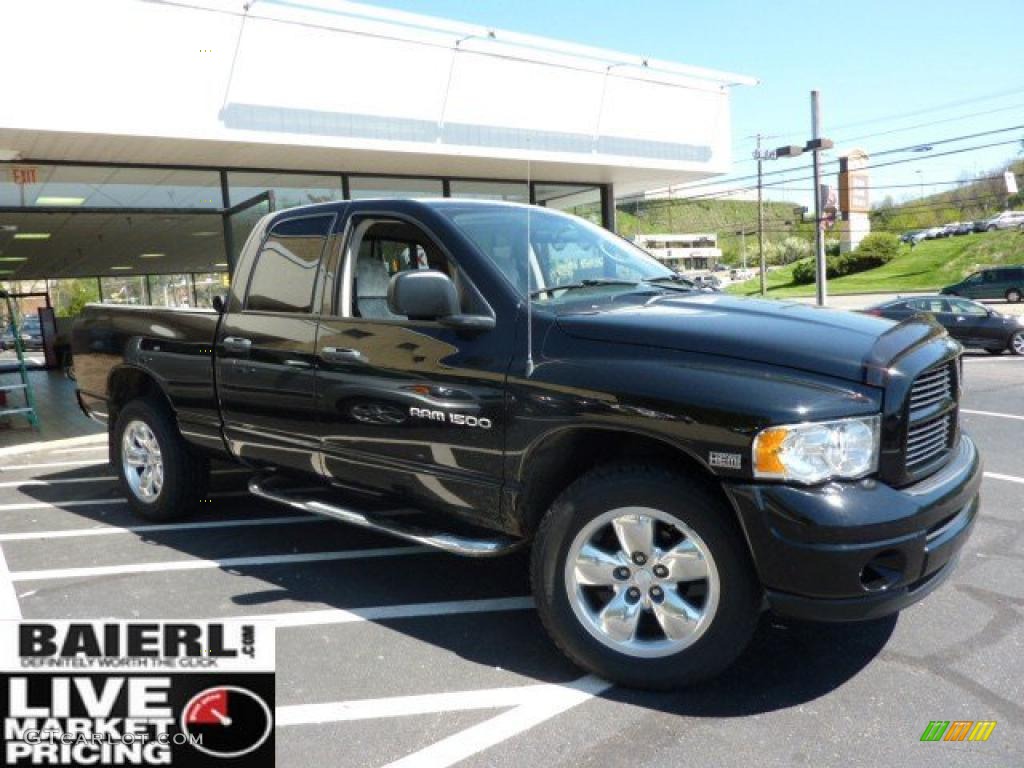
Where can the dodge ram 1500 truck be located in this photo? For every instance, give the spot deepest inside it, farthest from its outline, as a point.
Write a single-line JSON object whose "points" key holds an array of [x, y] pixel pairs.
{"points": [[678, 461]]}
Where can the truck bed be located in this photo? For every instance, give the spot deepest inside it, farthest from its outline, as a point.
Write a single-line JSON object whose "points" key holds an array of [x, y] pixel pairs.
{"points": [[174, 345]]}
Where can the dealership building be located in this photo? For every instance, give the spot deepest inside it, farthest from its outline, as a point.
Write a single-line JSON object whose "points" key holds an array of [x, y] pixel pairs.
{"points": [[140, 141]]}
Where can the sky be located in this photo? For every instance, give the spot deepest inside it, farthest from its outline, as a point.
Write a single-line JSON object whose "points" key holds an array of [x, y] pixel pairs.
{"points": [[917, 72]]}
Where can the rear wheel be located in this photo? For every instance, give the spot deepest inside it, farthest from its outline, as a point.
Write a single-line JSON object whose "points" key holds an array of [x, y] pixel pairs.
{"points": [[160, 475], [1017, 343], [1013, 295], [641, 575]]}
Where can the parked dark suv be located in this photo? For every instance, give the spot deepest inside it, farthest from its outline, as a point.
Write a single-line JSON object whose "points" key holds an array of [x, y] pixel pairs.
{"points": [[993, 283]]}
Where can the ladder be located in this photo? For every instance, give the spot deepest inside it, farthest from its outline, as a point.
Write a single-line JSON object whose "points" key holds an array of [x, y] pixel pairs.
{"points": [[29, 409]]}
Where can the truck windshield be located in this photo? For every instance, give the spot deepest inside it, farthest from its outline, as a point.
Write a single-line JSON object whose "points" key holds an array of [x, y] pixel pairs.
{"points": [[563, 251]]}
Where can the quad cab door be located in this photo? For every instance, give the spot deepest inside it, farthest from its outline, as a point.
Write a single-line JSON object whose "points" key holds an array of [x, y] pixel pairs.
{"points": [[266, 358], [408, 408]]}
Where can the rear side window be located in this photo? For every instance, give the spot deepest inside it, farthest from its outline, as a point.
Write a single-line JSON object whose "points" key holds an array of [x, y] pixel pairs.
{"points": [[284, 275], [962, 307], [929, 305]]}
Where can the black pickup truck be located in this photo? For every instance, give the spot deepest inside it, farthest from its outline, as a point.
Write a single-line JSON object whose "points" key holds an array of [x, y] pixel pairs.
{"points": [[678, 461]]}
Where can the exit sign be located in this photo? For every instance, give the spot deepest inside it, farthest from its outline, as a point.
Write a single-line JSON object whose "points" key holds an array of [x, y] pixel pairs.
{"points": [[24, 174]]}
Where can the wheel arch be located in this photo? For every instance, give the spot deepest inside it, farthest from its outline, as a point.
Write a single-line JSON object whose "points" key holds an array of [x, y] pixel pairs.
{"points": [[126, 383], [557, 458]]}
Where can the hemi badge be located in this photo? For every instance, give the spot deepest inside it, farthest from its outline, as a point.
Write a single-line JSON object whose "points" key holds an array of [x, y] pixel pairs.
{"points": [[725, 460]]}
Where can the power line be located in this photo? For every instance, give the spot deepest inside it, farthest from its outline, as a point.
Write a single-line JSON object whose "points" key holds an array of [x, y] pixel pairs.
{"points": [[912, 127], [915, 113], [881, 153], [922, 157]]}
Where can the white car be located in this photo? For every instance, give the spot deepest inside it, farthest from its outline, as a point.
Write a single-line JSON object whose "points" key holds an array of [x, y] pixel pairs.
{"points": [[1006, 220]]}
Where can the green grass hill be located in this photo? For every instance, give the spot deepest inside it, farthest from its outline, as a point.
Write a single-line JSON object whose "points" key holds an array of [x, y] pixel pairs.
{"points": [[928, 266]]}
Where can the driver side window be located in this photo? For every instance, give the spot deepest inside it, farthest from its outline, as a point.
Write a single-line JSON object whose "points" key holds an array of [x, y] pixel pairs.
{"points": [[379, 250]]}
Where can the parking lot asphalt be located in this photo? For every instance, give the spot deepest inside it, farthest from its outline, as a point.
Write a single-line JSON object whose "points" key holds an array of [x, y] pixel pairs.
{"points": [[389, 654]]}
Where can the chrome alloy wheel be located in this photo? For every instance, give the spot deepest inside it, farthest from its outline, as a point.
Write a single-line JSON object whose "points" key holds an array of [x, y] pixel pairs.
{"points": [[141, 461], [642, 582], [1017, 342]]}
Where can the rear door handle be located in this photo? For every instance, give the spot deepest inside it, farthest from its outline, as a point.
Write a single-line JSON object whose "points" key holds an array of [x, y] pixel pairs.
{"points": [[342, 355], [237, 344]]}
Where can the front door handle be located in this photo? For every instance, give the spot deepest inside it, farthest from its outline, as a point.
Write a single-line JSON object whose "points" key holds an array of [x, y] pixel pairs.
{"points": [[342, 355], [237, 344]]}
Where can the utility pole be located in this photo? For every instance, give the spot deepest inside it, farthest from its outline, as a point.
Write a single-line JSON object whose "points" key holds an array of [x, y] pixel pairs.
{"points": [[760, 218], [819, 233], [815, 145]]}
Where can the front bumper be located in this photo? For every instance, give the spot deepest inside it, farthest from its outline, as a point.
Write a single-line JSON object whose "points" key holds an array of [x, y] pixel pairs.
{"points": [[859, 550]]}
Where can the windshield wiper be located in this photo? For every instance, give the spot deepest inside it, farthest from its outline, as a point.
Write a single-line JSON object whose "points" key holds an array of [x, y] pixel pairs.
{"points": [[585, 283], [677, 282]]}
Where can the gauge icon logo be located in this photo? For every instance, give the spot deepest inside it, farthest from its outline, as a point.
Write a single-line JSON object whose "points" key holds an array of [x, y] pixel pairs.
{"points": [[227, 721]]}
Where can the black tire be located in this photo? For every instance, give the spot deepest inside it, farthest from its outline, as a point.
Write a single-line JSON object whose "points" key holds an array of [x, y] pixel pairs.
{"points": [[992, 351], [1013, 295], [1016, 345], [702, 511], [186, 474]]}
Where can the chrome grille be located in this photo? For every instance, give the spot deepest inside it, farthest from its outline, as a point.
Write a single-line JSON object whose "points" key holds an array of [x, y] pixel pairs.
{"points": [[928, 440], [931, 387], [930, 436]]}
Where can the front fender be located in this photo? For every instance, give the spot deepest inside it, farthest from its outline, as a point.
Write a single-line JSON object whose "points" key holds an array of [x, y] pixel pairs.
{"points": [[705, 406]]}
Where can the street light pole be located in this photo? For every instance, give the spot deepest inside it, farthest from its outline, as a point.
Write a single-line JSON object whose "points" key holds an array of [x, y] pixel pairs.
{"points": [[819, 233], [815, 145], [760, 217]]}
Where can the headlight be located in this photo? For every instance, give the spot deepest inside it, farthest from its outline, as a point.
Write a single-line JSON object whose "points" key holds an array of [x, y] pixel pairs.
{"points": [[817, 451]]}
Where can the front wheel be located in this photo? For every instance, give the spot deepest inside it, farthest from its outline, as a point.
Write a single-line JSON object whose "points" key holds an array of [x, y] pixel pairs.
{"points": [[1013, 295], [1017, 343], [160, 475], [641, 576]]}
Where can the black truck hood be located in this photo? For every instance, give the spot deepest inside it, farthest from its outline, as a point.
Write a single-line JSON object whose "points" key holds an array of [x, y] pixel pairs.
{"points": [[788, 334]]}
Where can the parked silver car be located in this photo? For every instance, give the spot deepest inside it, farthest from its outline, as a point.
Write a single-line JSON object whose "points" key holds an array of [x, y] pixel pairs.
{"points": [[1006, 220]]}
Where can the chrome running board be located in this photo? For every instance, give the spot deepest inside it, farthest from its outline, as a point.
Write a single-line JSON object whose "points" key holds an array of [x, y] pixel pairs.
{"points": [[447, 542]]}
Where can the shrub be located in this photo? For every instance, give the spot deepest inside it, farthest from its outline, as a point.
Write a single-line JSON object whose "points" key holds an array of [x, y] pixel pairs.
{"points": [[803, 272], [877, 249], [874, 250]]}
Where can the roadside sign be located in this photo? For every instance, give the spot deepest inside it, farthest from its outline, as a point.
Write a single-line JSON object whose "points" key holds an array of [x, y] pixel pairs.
{"points": [[1011, 183]]}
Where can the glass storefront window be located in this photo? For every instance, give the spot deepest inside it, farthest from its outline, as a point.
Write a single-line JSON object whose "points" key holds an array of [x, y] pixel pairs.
{"points": [[208, 285], [364, 187], [70, 295], [90, 243], [491, 190], [130, 289], [582, 201], [170, 290], [288, 189], [81, 187]]}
